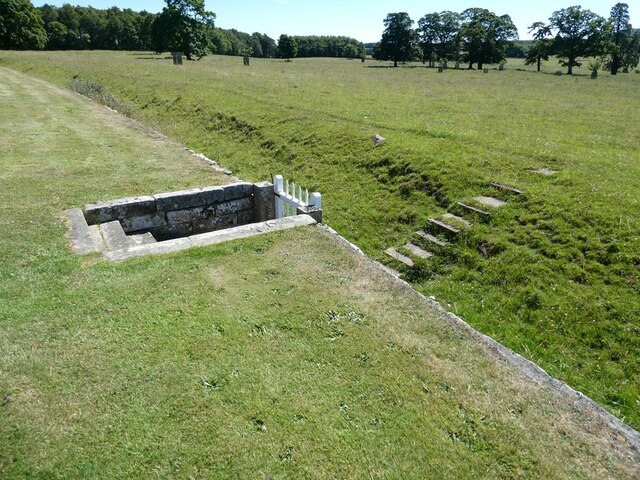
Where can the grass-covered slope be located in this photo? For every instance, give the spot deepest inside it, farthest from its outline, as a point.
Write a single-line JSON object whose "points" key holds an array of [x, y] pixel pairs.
{"points": [[554, 275], [283, 356]]}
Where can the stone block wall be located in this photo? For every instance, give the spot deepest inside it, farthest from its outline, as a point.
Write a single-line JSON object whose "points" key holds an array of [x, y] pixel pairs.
{"points": [[188, 212]]}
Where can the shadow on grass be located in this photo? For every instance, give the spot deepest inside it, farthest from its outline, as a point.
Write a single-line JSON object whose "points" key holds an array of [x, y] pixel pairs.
{"points": [[391, 66], [154, 58]]}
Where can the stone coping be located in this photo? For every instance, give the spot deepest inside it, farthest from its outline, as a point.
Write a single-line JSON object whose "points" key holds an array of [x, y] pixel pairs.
{"points": [[210, 238]]}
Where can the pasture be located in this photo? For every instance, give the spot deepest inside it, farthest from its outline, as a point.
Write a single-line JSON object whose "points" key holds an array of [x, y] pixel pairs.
{"points": [[222, 362], [554, 275]]}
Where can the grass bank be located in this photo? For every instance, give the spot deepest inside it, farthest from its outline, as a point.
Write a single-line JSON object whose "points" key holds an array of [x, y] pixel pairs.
{"points": [[554, 275], [281, 356]]}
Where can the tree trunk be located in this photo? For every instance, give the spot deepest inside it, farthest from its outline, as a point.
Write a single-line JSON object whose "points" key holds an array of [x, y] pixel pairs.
{"points": [[470, 65], [395, 63], [570, 68], [480, 64], [539, 62], [615, 63]]}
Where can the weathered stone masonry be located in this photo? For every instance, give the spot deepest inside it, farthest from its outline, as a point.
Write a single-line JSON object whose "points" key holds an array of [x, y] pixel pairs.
{"points": [[187, 212]]}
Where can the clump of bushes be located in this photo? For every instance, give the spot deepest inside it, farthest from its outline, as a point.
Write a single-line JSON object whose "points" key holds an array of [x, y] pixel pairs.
{"points": [[97, 92], [594, 67]]}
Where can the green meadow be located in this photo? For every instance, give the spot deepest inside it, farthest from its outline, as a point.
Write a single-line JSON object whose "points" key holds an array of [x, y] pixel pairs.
{"points": [[554, 275], [280, 356]]}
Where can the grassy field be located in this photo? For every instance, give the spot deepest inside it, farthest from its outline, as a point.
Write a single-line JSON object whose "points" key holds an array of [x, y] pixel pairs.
{"points": [[554, 275], [224, 362]]}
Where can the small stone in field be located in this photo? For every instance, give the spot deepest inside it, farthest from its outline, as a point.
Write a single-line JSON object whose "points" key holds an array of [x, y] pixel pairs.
{"points": [[547, 172], [378, 140]]}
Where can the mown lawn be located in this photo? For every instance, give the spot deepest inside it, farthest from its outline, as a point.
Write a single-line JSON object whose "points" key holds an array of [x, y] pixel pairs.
{"points": [[555, 275], [283, 356]]}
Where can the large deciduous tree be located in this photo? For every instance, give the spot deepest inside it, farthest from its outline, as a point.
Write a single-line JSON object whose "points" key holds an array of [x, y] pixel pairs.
{"points": [[183, 26], [578, 34], [439, 36], [21, 26], [623, 47], [287, 47], [541, 47], [486, 36], [399, 40]]}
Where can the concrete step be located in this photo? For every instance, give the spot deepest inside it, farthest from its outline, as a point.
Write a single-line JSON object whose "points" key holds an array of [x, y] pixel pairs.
{"points": [[506, 188], [444, 227], [456, 218], [431, 238], [473, 210], [393, 253], [114, 236], [141, 239], [490, 202], [96, 237], [417, 251]]}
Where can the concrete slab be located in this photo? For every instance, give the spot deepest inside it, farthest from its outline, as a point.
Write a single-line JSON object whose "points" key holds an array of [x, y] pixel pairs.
{"points": [[417, 251], [490, 202], [169, 246], [83, 238], [393, 253], [141, 239], [250, 230], [506, 188], [451, 216], [431, 238], [96, 236], [444, 227], [472, 210], [114, 236]]}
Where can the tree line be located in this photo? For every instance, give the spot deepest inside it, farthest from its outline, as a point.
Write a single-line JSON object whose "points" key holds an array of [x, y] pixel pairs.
{"points": [[183, 25], [479, 36]]}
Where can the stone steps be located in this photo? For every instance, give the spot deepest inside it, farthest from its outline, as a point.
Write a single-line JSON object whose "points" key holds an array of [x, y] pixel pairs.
{"points": [[473, 210], [456, 218], [393, 253], [141, 239], [417, 251], [115, 237], [444, 227], [449, 225], [490, 202], [506, 188], [431, 238]]}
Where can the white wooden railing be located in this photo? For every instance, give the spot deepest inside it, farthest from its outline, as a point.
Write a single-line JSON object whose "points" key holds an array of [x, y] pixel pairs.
{"points": [[290, 197]]}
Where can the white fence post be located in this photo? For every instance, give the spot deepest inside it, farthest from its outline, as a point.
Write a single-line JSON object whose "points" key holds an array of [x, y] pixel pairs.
{"points": [[289, 199], [277, 187], [316, 200]]}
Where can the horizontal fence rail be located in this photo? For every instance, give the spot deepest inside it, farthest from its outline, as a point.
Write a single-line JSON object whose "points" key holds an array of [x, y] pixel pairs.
{"points": [[290, 197]]}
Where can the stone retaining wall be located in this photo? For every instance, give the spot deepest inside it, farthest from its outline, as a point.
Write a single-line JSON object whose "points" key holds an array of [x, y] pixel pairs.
{"points": [[188, 212]]}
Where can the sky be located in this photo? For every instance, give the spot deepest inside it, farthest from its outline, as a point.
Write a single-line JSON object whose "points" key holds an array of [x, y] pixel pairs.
{"points": [[359, 19]]}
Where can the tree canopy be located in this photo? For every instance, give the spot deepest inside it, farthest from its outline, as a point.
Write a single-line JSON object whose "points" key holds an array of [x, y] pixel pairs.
{"points": [[287, 47], [578, 34], [541, 46], [623, 45], [399, 40], [21, 27], [486, 36], [183, 26]]}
